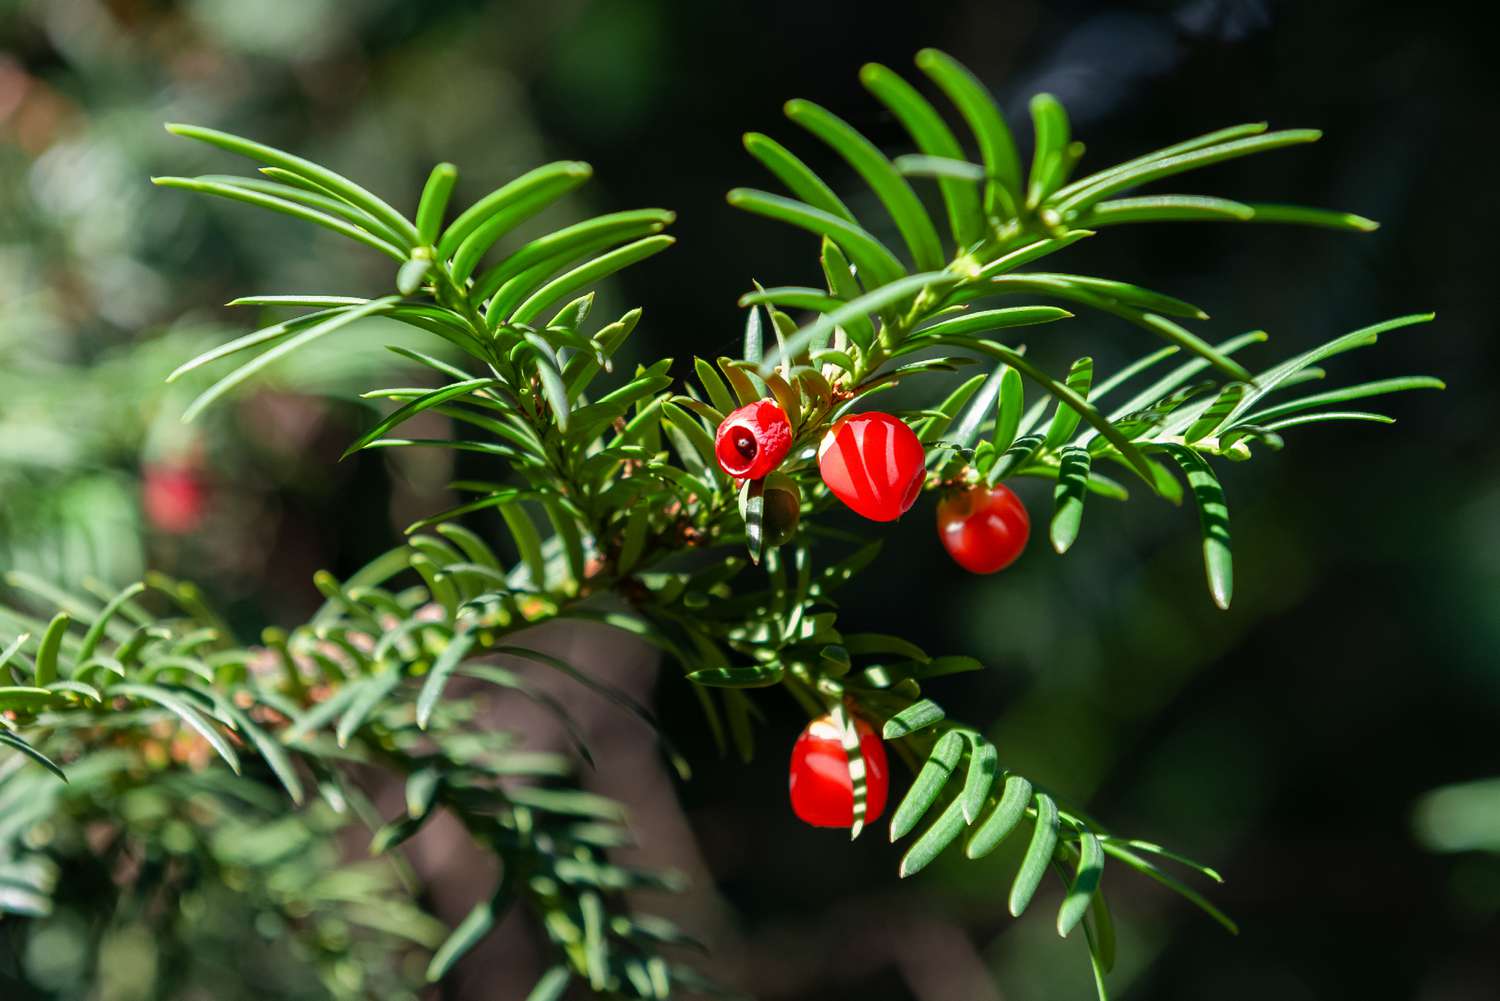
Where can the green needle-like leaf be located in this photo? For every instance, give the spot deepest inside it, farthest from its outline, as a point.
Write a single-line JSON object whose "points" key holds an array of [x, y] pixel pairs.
{"points": [[871, 302], [281, 350], [934, 138], [1276, 376], [1302, 216], [265, 334], [15, 743], [1164, 208], [434, 202], [844, 285], [1065, 395], [940, 835], [260, 199], [1012, 401], [1180, 375], [1085, 883], [969, 324], [469, 932], [1134, 177], [940, 765], [549, 372], [10, 651], [47, 651], [1213, 519], [1065, 420], [1197, 142], [1067, 497], [718, 393], [425, 402], [914, 717], [979, 110], [442, 670], [551, 252], [291, 187], [1038, 855], [889, 186], [185, 712], [1002, 820], [796, 175], [755, 512], [553, 984], [1172, 883], [1101, 936], [984, 764], [587, 275], [1216, 413], [876, 264], [320, 176], [758, 676], [509, 204], [266, 746], [1348, 393], [1327, 415], [1155, 849], [528, 542], [1049, 157], [368, 696], [941, 167]]}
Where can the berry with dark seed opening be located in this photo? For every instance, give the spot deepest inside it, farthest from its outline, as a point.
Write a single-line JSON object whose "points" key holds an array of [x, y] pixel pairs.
{"points": [[753, 440]]}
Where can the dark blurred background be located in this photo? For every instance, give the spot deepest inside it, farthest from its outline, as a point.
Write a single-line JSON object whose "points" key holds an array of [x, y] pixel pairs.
{"points": [[1288, 742]]}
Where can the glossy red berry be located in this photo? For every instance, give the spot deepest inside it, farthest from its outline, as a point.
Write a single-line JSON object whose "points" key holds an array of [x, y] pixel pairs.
{"points": [[174, 497], [873, 463], [822, 790], [753, 440], [983, 528]]}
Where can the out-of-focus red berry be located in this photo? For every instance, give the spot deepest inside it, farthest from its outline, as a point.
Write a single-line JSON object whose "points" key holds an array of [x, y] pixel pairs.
{"points": [[984, 529], [873, 463], [175, 498], [821, 787], [753, 440]]}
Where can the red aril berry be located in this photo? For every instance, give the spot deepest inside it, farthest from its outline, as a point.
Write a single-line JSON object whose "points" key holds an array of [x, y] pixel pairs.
{"points": [[822, 790], [983, 528], [753, 440], [174, 497], [874, 464]]}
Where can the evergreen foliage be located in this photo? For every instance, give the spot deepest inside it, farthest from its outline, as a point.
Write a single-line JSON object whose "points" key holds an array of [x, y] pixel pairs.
{"points": [[615, 511]]}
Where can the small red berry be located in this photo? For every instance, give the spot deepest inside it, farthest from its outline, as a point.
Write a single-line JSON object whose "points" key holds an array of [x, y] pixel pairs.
{"points": [[822, 790], [984, 529], [175, 498], [753, 440], [873, 463]]}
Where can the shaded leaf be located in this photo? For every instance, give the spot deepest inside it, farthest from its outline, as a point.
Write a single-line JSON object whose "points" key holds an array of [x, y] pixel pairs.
{"points": [[914, 717], [1038, 855], [935, 773]]}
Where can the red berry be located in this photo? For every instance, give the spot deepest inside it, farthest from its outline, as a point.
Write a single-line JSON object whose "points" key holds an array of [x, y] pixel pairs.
{"points": [[822, 790], [753, 440], [174, 497], [983, 528], [873, 463]]}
